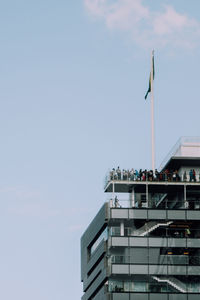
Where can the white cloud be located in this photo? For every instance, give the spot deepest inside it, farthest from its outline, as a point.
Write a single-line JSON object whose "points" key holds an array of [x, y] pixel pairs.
{"points": [[125, 14], [145, 26], [170, 21]]}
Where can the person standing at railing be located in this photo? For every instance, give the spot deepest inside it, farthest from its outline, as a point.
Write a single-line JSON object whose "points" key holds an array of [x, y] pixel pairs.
{"points": [[151, 175], [157, 175], [132, 174], [143, 176], [118, 173], [161, 176], [178, 178], [129, 175], [140, 174], [114, 174], [136, 174], [174, 176], [191, 175], [184, 176], [125, 176], [194, 175], [117, 202], [166, 175]]}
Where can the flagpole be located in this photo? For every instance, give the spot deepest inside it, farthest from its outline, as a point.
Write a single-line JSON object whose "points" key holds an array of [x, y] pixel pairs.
{"points": [[152, 113]]}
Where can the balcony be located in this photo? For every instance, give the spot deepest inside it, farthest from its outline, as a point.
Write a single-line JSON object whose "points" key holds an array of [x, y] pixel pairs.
{"points": [[161, 284]]}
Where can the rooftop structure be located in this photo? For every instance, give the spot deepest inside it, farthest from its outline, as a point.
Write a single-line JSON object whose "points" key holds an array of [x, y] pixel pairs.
{"points": [[186, 150], [144, 243]]}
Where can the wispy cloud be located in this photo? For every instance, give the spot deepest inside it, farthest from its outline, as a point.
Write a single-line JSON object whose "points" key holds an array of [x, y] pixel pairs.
{"points": [[145, 26]]}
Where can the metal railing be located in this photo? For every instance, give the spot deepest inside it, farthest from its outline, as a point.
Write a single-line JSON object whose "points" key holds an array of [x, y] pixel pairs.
{"points": [[162, 232], [167, 259], [164, 286], [161, 177], [156, 203]]}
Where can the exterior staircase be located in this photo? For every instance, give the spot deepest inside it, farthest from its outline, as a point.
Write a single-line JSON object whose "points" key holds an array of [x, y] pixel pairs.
{"points": [[174, 282], [149, 227]]}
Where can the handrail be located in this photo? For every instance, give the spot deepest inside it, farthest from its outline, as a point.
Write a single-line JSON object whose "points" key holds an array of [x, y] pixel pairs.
{"points": [[160, 177], [167, 232], [169, 204], [170, 260]]}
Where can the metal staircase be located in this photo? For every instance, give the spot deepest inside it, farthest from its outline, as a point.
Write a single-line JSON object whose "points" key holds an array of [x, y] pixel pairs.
{"points": [[174, 282], [149, 227]]}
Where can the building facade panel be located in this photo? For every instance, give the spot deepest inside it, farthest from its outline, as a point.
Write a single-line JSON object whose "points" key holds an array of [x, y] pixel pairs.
{"points": [[157, 270], [137, 296], [174, 242], [138, 214], [193, 243], [157, 214], [119, 241], [138, 242], [177, 297], [120, 269], [138, 269], [176, 215], [157, 242], [194, 270], [193, 297], [193, 215], [119, 213], [154, 296], [121, 296]]}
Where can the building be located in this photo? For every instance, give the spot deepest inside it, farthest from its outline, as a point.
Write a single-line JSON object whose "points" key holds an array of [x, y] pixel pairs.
{"points": [[148, 247]]}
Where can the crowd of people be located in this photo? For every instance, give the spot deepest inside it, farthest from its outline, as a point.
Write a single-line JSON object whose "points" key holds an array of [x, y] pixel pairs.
{"points": [[149, 175]]}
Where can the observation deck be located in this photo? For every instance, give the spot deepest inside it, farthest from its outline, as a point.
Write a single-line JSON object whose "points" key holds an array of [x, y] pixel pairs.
{"points": [[180, 168]]}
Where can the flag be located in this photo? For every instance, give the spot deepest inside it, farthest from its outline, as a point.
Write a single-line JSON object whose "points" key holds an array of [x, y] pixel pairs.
{"points": [[152, 70], [149, 89]]}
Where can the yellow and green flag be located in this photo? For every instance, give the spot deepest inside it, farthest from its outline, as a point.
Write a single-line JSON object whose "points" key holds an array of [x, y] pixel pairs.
{"points": [[149, 88]]}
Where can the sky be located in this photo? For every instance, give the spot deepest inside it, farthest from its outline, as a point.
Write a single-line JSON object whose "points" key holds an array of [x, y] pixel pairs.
{"points": [[73, 75]]}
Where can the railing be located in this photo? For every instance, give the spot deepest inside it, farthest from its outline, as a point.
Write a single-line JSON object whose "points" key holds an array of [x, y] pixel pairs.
{"points": [[156, 203], [119, 286], [166, 232], [160, 177], [168, 259]]}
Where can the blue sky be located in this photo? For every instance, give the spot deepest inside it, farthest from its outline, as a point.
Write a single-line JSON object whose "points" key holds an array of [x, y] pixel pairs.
{"points": [[73, 75]]}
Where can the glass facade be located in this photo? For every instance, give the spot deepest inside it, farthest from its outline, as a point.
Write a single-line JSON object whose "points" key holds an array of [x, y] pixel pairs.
{"points": [[168, 285]]}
